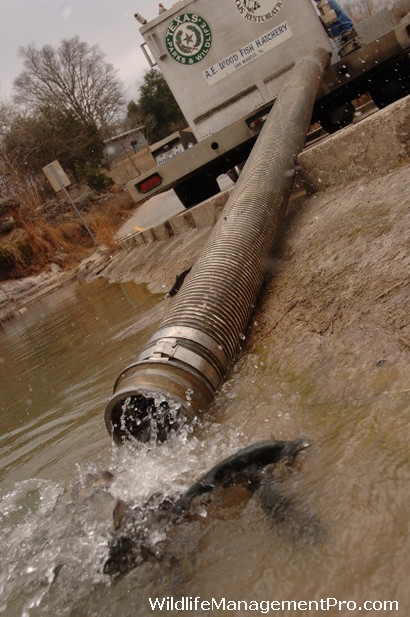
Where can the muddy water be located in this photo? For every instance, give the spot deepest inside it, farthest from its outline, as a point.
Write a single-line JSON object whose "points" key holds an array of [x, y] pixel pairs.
{"points": [[58, 363]]}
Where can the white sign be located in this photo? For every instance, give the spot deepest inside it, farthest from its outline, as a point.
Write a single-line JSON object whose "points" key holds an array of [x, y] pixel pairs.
{"points": [[56, 175], [248, 53], [259, 11]]}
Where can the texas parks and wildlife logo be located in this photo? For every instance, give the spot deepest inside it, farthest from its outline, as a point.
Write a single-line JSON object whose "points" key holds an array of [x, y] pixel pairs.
{"points": [[188, 38], [259, 11]]}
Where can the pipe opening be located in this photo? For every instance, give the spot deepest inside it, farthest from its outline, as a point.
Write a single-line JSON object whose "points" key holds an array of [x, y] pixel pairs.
{"points": [[145, 417], [154, 400]]}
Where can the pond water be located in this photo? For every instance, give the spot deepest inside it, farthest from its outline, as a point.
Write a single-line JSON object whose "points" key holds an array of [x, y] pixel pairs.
{"points": [[58, 363]]}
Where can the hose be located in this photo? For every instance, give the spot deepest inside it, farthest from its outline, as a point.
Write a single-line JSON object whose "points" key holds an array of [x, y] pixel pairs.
{"points": [[176, 375]]}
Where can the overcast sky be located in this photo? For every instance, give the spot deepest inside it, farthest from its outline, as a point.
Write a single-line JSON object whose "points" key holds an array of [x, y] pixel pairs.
{"points": [[108, 23]]}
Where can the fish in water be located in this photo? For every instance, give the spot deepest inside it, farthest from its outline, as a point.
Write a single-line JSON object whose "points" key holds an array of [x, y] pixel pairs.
{"points": [[144, 532], [244, 467]]}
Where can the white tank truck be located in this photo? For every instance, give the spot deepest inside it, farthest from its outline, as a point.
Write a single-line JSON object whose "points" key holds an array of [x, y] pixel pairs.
{"points": [[225, 63]]}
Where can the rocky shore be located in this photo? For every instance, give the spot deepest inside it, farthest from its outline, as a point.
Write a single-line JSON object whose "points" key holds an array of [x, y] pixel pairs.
{"points": [[16, 295]]}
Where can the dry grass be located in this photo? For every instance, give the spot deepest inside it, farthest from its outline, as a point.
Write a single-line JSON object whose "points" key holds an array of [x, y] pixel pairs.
{"points": [[105, 220], [36, 242]]}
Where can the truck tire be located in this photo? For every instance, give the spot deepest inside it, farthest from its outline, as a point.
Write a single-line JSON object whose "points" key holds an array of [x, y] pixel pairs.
{"points": [[333, 119], [391, 84], [196, 189], [235, 172]]}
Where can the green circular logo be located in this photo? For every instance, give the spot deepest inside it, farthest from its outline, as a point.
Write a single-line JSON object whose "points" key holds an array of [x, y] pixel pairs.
{"points": [[188, 38]]}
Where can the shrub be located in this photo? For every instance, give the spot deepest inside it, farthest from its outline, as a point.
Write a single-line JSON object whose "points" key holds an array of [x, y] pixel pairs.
{"points": [[96, 180]]}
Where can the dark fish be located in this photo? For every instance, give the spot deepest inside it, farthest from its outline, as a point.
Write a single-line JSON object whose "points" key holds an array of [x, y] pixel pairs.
{"points": [[143, 532], [244, 467]]}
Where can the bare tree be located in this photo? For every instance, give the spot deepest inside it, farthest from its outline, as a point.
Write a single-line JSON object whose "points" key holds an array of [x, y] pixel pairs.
{"points": [[53, 134], [14, 182], [74, 77], [9, 175]]}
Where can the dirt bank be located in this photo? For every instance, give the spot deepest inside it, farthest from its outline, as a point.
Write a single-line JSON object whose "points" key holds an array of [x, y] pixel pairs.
{"points": [[339, 293], [16, 295]]}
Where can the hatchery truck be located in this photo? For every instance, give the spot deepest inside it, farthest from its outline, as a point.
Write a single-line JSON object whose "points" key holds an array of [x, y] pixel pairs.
{"points": [[225, 62]]}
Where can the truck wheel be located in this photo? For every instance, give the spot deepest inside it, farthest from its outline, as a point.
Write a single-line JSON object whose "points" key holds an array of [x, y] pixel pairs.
{"points": [[391, 84], [196, 189], [235, 172], [334, 119]]}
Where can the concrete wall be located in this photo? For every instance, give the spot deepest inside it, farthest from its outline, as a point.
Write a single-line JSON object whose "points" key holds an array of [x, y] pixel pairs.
{"points": [[370, 148]]}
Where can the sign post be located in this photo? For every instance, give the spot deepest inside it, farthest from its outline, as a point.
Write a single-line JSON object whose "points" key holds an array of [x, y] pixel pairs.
{"points": [[59, 180]]}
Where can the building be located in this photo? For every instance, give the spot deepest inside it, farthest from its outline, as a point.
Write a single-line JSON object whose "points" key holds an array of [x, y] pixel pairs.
{"points": [[124, 145]]}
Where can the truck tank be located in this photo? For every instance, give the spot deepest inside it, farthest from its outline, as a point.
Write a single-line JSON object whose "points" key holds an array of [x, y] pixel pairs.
{"points": [[222, 60]]}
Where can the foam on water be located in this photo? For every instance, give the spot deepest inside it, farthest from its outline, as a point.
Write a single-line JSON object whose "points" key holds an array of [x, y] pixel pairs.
{"points": [[56, 539]]}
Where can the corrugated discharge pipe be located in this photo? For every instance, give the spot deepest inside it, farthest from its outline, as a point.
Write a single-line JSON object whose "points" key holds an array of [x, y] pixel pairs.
{"points": [[178, 372]]}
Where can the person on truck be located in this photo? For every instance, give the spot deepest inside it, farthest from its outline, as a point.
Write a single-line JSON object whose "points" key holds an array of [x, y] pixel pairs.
{"points": [[343, 26]]}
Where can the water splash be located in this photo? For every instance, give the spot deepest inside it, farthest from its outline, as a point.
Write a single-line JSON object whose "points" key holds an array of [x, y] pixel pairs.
{"points": [[150, 417], [56, 538]]}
